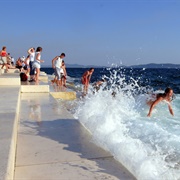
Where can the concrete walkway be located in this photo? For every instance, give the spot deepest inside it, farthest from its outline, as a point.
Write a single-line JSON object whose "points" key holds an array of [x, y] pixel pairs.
{"points": [[52, 145], [9, 116]]}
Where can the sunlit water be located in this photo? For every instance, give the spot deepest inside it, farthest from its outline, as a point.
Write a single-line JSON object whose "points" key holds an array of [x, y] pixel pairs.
{"points": [[148, 147]]}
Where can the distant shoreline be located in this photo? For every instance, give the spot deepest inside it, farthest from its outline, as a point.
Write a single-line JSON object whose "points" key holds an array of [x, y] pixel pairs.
{"points": [[146, 66]]}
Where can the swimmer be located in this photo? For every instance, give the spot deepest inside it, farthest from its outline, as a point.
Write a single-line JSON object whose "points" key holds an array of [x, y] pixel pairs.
{"points": [[98, 84], [167, 96]]}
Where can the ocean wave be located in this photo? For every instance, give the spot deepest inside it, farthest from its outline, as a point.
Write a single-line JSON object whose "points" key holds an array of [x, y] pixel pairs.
{"points": [[148, 147]]}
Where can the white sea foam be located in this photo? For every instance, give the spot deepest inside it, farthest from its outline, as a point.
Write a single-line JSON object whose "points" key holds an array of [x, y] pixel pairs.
{"points": [[147, 147]]}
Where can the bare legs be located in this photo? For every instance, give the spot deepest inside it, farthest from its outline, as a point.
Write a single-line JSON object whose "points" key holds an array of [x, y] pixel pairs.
{"points": [[37, 75], [6, 66], [85, 90]]}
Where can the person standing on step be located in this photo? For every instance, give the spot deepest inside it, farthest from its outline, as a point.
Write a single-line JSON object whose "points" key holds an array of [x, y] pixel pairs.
{"points": [[63, 74], [37, 63], [57, 66], [31, 53], [3, 56], [86, 77]]}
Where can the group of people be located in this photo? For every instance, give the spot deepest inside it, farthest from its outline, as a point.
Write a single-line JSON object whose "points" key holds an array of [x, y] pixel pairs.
{"points": [[167, 96], [32, 64], [29, 65]]}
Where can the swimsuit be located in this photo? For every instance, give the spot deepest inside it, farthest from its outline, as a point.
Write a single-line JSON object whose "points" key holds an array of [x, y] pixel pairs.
{"points": [[3, 53]]}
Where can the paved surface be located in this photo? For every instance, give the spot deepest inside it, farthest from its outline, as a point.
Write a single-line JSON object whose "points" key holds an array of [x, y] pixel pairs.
{"points": [[9, 111], [53, 145]]}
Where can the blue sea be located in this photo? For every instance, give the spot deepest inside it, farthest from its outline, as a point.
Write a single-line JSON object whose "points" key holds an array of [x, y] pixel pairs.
{"points": [[149, 147]]}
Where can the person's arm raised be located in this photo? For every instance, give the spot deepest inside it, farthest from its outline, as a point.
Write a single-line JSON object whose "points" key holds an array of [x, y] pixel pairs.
{"points": [[29, 51]]}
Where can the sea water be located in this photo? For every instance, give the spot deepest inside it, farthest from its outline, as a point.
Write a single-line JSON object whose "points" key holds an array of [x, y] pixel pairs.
{"points": [[149, 147]]}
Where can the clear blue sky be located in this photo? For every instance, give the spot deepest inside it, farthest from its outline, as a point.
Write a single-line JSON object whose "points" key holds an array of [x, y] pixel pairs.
{"points": [[93, 32]]}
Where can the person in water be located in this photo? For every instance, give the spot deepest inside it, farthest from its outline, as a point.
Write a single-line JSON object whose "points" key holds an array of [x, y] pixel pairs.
{"points": [[86, 79], [166, 96], [97, 85]]}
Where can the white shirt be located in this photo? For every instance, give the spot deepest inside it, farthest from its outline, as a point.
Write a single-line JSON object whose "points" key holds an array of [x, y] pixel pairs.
{"points": [[32, 56], [58, 63], [35, 60]]}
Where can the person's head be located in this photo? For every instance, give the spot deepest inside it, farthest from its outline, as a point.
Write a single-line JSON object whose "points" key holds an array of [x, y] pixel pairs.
{"points": [[91, 70], [168, 92], [4, 48], [62, 55], [32, 49], [62, 62], [39, 49]]}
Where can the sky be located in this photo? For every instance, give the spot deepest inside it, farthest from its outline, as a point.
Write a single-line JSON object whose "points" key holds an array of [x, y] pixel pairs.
{"points": [[93, 32]]}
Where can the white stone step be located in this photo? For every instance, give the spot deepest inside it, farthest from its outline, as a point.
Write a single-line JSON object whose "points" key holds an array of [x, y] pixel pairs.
{"points": [[34, 88], [9, 79]]}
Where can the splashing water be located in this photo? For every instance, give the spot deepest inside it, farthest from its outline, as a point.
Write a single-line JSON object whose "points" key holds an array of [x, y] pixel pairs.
{"points": [[148, 147]]}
